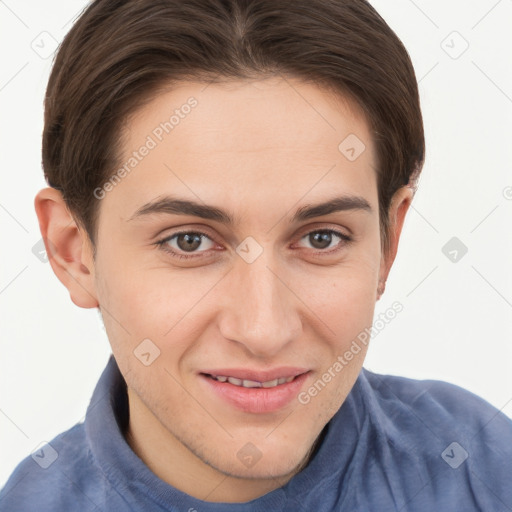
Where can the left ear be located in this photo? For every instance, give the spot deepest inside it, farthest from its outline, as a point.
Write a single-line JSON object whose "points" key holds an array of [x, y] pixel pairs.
{"points": [[399, 206]]}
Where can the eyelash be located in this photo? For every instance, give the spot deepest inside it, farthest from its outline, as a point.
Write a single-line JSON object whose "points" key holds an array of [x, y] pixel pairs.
{"points": [[162, 244]]}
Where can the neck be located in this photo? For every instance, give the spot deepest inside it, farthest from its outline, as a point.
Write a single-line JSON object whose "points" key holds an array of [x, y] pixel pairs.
{"points": [[174, 463]]}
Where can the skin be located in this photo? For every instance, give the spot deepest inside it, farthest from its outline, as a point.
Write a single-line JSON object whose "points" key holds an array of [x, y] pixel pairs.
{"points": [[259, 149]]}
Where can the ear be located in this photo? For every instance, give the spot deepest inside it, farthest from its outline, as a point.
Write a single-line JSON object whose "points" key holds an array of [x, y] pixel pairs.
{"points": [[400, 203], [68, 247]]}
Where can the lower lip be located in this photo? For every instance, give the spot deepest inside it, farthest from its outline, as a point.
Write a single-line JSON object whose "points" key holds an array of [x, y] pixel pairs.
{"points": [[257, 400]]}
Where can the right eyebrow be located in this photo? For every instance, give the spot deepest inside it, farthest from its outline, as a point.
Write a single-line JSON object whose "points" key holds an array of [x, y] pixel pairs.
{"points": [[174, 206]]}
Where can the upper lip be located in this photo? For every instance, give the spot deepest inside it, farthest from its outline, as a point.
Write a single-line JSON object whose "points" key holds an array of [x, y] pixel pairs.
{"points": [[257, 375]]}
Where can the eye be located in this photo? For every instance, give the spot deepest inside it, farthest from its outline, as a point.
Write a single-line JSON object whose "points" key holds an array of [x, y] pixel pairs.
{"points": [[179, 244], [322, 239], [192, 244]]}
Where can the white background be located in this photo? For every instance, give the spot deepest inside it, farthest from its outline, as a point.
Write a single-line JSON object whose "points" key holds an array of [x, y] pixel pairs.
{"points": [[456, 323]]}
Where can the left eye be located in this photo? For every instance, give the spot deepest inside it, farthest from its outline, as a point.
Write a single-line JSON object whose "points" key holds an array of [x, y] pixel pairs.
{"points": [[322, 239]]}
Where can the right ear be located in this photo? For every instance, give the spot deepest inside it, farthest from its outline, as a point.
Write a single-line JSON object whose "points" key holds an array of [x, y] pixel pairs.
{"points": [[68, 247]]}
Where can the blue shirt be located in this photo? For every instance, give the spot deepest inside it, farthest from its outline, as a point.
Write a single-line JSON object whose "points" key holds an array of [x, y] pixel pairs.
{"points": [[395, 444]]}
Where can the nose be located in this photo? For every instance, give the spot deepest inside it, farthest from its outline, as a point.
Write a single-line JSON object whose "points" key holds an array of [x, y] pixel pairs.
{"points": [[259, 310]]}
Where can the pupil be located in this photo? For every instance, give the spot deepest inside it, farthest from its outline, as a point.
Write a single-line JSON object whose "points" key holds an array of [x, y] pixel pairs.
{"points": [[191, 241], [321, 240]]}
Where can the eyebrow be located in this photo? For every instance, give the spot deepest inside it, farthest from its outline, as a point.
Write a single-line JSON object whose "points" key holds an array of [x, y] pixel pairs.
{"points": [[175, 206]]}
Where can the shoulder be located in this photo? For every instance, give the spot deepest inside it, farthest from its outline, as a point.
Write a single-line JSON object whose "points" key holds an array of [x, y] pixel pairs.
{"points": [[452, 440], [439, 404], [60, 476]]}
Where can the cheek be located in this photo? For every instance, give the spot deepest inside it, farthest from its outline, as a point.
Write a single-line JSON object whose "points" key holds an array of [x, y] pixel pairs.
{"points": [[343, 297], [147, 301], [126, 297], [128, 285]]}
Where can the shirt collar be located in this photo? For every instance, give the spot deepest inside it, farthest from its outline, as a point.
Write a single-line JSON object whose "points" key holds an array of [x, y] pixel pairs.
{"points": [[107, 417]]}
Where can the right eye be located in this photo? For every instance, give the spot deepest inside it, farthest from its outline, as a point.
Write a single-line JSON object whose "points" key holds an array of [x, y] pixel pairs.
{"points": [[183, 242]]}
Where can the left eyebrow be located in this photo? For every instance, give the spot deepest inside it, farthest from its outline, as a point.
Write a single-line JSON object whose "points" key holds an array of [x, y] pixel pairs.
{"points": [[337, 204], [176, 206]]}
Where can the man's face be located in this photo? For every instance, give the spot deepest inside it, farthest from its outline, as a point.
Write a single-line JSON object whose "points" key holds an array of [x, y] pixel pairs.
{"points": [[271, 295]]}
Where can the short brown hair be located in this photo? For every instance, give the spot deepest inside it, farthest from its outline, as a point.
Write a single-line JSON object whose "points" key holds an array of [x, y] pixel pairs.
{"points": [[120, 52]]}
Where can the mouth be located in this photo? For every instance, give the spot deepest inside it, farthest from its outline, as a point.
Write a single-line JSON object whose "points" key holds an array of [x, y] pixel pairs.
{"points": [[255, 392], [246, 383]]}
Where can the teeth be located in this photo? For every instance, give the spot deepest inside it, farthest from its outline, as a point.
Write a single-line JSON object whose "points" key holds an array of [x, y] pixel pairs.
{"points": [[253, 383]]}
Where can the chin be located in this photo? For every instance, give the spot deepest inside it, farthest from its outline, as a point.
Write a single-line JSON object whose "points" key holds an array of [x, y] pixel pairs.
{"points": [[251, 463], [269, 470]]}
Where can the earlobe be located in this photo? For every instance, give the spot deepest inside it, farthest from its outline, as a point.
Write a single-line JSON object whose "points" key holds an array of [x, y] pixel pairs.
{"points": [[67, 246], [399, 206]]}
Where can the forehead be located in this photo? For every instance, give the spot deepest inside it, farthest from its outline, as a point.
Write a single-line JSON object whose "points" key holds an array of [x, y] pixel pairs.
{"points": [[257, 114], [245, 139]]}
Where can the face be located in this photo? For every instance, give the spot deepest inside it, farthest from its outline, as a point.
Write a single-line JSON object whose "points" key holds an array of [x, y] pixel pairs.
{"points": [[223, 314]]}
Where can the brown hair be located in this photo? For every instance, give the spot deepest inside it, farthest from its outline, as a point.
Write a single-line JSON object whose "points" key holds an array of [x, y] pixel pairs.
{"points": [[120, 52]]}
